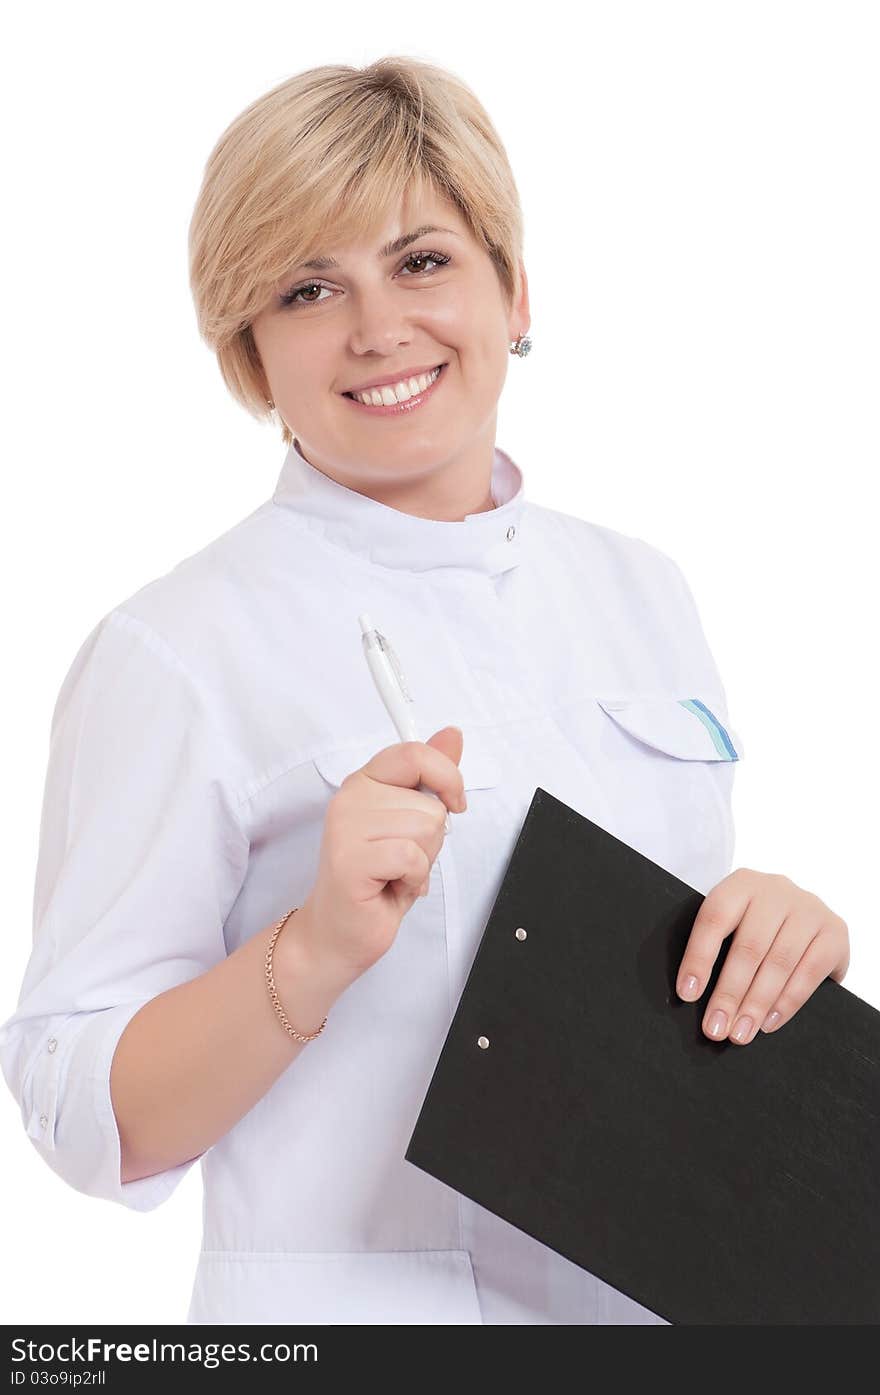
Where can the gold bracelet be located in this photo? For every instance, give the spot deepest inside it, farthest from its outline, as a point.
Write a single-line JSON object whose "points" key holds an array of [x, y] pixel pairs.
{"points": [[273, 992]]}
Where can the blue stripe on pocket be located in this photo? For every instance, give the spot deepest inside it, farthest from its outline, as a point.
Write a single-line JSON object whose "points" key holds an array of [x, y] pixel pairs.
{"points": [[723, 744]]}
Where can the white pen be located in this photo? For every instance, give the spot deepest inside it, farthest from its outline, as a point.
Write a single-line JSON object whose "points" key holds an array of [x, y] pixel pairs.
{"points": [[391, 685]]}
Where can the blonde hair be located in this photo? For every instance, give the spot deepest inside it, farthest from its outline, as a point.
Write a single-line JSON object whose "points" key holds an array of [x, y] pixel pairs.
{"points": [[320, 159]]}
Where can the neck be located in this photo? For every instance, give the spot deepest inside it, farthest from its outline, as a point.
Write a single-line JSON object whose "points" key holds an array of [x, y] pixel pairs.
{"points": [[442, 494]]}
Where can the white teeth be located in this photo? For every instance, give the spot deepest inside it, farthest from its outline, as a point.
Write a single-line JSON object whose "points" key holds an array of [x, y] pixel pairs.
{"points": [[393, 393]]}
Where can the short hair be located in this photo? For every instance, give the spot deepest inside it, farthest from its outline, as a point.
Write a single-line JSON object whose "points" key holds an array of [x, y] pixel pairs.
{"points": [[321, 158]]}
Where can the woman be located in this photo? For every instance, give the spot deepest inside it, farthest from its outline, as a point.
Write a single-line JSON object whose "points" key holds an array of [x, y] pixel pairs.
{"points": [[251, 931]]}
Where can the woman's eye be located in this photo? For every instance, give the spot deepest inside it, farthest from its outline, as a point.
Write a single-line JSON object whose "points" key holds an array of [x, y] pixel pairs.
{"points": [[292, 297], [436, 257]]}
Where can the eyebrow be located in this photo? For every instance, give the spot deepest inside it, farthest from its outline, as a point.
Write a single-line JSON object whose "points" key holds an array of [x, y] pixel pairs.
{"points": [[389, 250]]}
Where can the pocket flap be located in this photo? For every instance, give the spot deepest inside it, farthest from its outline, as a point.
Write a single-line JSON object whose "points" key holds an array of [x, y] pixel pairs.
{"points": [[412, 1287], [479, 765], [690, 728]]}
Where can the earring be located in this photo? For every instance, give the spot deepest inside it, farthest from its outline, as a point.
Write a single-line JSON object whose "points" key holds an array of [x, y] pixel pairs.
{"points": [[270, 405]]}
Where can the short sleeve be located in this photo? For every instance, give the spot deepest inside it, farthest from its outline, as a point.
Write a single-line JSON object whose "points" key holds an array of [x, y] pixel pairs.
{"points": [[141, 857]]}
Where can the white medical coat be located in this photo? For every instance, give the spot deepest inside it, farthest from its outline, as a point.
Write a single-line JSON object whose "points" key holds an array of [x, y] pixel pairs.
{"points": [[198, 736]]}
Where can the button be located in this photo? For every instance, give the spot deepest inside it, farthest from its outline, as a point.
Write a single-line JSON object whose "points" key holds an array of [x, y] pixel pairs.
{"points": [[483, 1042], [511, 533], [52, 1043], [44, 1119]]}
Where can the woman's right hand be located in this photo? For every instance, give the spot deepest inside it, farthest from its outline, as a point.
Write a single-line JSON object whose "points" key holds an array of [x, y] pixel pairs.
{"points": [[381, 836]]}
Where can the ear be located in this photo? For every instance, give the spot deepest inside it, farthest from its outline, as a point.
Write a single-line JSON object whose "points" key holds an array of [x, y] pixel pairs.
{"points": [[520, 314]]}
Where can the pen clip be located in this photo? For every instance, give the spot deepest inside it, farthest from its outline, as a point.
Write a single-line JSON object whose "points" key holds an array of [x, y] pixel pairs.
{"points": [[387, 648]]}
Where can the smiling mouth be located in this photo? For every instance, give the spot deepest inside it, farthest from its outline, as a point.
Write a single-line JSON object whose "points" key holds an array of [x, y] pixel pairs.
{"points": [[407, 404]]}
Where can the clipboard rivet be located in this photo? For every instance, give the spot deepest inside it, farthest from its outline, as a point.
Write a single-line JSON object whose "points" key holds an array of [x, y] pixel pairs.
{"points": [[483, 1041], [520, 934]]}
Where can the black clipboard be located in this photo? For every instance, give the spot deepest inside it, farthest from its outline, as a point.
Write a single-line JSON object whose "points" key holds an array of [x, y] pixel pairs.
{"points": [[712, 1183]]}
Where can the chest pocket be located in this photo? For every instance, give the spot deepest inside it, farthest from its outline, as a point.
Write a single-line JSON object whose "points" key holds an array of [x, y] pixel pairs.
{"points": [[669, 763], [480, 765], [687, 728]]}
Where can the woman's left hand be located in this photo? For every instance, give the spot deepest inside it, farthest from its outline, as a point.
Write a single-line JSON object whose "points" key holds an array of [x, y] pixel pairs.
{"points": [[786, 943]]}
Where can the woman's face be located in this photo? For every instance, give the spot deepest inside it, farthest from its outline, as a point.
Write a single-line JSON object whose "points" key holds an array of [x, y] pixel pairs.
{"points": [[436, 300]]}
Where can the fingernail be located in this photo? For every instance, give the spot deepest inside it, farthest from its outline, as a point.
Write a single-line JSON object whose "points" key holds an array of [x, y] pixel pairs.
{"points": [[742, 1029], [770, 1021], [689, 987], [717, 1023]]}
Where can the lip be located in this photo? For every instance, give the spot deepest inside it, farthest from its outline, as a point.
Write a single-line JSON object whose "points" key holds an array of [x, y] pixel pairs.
{"points": [[410, 405], [395, 378]]}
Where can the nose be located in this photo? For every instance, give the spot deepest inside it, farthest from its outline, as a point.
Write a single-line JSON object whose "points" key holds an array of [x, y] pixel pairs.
{"points": [[379, 326]]}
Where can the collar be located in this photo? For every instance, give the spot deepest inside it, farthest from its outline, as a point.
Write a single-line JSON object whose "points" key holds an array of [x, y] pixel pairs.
{"points": [[484, 542]]}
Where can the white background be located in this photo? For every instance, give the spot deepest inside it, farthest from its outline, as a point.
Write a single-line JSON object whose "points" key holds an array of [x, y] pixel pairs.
{"points": [[699, 185]]}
